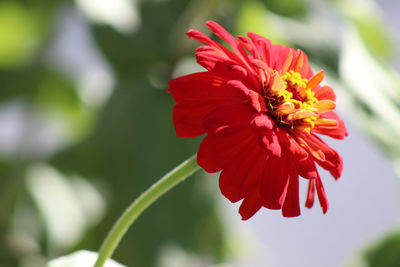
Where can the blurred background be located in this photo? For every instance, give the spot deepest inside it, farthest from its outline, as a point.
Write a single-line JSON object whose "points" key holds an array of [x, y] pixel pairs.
{"points": [[86, 126]]}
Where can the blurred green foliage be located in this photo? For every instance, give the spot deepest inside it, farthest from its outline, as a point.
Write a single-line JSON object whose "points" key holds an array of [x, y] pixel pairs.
{"points": [[123, 146], [385, 253]]}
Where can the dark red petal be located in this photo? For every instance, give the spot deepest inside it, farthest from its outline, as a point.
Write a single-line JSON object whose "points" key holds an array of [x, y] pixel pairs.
{"points": [[215, 152], [306, 168], [196, 95], [291, 206], [250, 205], [243, 172], [254, 98], [225, 119], [274, 183], [187, 118], [323, 200], [290, 145], [204, 86], [331, 160], [337, 172], [310, 193]]}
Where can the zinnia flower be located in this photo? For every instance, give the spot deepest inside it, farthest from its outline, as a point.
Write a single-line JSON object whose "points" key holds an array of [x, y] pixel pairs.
{"points": [[261, 107]]}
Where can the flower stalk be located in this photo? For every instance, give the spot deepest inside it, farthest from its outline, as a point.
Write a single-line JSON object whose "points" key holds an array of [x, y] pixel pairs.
{"points": [[162, 186]]}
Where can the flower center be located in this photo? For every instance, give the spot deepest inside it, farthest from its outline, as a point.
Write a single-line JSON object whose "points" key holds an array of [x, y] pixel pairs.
{"points": [[290, 102]]}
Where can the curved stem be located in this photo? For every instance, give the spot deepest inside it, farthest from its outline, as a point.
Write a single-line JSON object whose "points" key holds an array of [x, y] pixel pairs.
{"points": [[120, 227]]}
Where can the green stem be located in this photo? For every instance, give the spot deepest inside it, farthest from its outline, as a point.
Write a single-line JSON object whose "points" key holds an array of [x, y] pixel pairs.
{"points": [[120, 227]]}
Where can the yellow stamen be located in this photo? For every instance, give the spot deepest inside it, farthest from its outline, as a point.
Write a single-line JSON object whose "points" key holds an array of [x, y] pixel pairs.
{"points": [[295, 102]]}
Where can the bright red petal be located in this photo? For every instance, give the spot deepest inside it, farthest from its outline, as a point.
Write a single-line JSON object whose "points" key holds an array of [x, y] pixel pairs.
{"points": [[196, 95], [227, 119], [216, 151], [243, 173], [249, 102], [275, 183]]}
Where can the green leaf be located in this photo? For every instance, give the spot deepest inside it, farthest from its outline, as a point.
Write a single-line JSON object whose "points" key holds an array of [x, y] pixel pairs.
{"points": [[288, 8], [18, 34], [253, 16]]}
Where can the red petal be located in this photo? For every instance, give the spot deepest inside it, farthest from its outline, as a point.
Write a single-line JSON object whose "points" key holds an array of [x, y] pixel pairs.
{"points": [[232, 41], [290, 145], [248, 45], [218, 58], [271, 142], [212, 59], [250, 205], [196, 95], [331, 160], [203, 86], [274, 183], [243, 173], [187, 118], [323, 200], [280, 55], [291, 206], [225, 119], [306, 168], [215, 152], [202, 38], [254, 98], [337, 132], [310, 193], [263, 47], [324, 92], [262, 122]]}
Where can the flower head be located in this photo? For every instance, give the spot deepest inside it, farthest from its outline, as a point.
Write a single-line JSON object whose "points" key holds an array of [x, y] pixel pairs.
{"points": [[261, 107]]}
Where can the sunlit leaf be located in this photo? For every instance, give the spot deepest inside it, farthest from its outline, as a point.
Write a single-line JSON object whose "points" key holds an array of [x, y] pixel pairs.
{"points": [[18, 34], [254, 15]]}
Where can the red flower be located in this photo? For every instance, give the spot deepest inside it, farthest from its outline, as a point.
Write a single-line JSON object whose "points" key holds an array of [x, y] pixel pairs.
{"points": [[261, 107]]}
